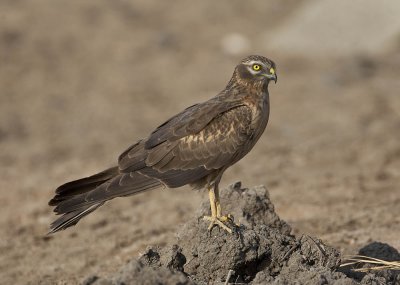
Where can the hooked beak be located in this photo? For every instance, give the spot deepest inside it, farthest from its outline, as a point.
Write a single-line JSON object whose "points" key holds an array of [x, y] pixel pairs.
{"points": [[273, 77]]}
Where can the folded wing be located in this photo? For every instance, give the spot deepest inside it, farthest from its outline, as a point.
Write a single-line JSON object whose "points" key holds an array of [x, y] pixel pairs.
{"points": [[189, 147]]}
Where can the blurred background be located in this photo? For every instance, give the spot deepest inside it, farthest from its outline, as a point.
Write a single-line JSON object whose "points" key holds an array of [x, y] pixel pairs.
{"points": [[82, 80]]}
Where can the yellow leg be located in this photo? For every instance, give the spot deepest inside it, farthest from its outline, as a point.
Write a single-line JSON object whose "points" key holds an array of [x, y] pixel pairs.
{"points": [[213, 202], [217, 202], [216, 217], [228, 217]]}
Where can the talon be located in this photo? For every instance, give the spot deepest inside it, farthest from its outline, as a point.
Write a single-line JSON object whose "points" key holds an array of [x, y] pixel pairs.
{"points": [[218, 221], [228, 218], [216, 218]]}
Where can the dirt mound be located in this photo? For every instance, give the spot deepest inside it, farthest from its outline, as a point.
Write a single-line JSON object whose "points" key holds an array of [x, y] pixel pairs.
{"points": [[377, 250], [261, 250]]}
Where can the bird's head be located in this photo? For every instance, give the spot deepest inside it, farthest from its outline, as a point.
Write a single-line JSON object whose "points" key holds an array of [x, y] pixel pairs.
{"points": [[256, 69]]}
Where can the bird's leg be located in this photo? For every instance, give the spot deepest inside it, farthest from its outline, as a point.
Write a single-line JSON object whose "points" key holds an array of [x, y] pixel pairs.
{"points": [[217, 201], [216, 218], [213, 203], [226, 218]]}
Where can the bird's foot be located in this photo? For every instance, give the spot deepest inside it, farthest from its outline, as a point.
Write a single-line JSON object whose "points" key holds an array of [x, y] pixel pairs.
{"points": [[221, 221]]}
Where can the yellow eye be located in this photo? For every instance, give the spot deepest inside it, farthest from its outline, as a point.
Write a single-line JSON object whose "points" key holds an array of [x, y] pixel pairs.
{"points": [[256, 67]]}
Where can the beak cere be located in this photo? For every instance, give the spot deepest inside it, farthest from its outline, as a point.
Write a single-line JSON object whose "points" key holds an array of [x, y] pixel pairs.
{"points": [[273, 75], [272, 70]]}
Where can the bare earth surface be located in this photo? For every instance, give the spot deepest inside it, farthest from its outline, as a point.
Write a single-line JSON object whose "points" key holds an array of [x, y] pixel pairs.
{"points": [[81, 81]]}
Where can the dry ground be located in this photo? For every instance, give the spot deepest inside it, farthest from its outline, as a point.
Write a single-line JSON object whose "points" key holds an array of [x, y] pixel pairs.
{"points": [[81, 81]]}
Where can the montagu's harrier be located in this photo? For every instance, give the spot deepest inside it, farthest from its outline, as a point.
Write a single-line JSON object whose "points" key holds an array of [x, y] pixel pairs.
{"points": [[193, 147]]}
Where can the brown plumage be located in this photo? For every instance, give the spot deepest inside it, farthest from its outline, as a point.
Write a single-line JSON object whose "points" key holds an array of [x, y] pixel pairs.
{"points": [[193, 147]]}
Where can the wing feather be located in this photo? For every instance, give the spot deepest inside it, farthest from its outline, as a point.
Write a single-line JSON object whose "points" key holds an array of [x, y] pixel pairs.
{"points": [[188, 147], [191, 121], [216, 146], [133, 158]]}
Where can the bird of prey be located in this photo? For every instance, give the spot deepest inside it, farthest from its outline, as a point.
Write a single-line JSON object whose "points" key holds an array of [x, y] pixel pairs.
{"points": [[194, 147]]}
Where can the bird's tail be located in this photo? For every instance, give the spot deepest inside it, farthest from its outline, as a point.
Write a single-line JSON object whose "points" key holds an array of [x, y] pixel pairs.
{"points": [[76, 199], [71, 218]]}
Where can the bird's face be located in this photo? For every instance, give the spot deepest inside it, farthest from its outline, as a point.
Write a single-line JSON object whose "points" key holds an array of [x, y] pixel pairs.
{"points": [[257, 68]]}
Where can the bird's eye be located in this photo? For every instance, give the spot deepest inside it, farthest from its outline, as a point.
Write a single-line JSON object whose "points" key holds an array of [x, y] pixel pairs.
{"points": [[256, 67]]}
